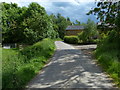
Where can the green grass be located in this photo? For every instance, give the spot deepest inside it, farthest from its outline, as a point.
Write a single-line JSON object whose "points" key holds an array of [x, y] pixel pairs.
{"points": [[19, 67], [58, 39], [110, 63], [108, 55]]}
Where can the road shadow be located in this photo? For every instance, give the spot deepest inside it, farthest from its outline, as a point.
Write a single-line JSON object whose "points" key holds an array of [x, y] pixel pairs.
{"points": [[70, 68]]}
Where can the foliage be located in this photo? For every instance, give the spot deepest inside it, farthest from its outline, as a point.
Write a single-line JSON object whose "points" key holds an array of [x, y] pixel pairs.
{"points": [[18, 67], [10, 21], [71, 39], [60, 23], [42, 48], [77, 22], [108, 54], [25, 24], [103, 36], [82, 37], [89, 32], [57, 39], [107, 13]]}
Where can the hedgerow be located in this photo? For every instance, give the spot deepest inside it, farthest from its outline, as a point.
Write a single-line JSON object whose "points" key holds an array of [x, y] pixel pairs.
{"points": [[71, 39]]}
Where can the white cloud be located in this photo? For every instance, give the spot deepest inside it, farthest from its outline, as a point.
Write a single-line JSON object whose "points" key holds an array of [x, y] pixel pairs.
{"points": [[85, 1], [75, 9], [9, 1], [73, 1]]}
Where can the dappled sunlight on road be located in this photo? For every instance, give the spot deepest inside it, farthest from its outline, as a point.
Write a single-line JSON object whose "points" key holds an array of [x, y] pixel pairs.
{"points": [[70, 68]]}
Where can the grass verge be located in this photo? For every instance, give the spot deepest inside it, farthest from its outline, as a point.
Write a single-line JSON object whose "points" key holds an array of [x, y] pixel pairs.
{"points": [[108, 55], [19, 67]]}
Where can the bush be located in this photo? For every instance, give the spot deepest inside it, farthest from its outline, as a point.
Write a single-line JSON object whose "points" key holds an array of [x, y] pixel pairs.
{"points": [[19, 67], [71, 39], [44, 48], [110, 62], [82, 37], [108, 55]]}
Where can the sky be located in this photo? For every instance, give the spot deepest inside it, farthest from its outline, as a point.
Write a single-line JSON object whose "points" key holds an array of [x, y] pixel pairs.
{"points": [[74, 9]]}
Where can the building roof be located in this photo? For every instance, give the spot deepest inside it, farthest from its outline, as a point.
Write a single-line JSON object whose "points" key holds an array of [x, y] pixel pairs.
{"points": [[74, 27]]}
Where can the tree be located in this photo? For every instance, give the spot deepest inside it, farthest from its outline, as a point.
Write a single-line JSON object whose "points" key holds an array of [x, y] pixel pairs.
{"points": [[107, 13], [89, 32], [39, 22], [91, 28], [26, 25], [77, 22], [60, 23], [10, 23], [68, 19]]}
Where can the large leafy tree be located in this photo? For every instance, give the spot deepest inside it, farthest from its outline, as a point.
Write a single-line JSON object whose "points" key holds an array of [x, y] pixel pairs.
{"points": [[107, 13], [60, 23], [10, 22], [38, 23], [27, 24]]}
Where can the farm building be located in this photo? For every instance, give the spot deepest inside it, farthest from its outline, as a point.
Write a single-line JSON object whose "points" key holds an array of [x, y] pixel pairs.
{"points": [[74, 30]]}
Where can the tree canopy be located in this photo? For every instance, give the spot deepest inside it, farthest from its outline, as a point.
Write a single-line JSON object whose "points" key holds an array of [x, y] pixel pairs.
{"points": [[30, 24], [107, 13], [60, 24], [89, 32]]}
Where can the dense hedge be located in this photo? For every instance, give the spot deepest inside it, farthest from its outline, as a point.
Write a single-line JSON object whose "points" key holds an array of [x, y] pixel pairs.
{"points": [[71, 39], [19, 67]]}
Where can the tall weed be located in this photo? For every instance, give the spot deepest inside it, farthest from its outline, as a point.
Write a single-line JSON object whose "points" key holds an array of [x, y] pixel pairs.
{"points": [[108, 54], [20, 66]]}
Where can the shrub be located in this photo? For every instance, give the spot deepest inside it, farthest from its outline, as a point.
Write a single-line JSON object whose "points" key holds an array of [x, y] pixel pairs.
{"points": [[18, 67], [82, 37], [71, 39], [85, 39], [103, 35], [108, 55], [109, 61], [44, 48]]}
